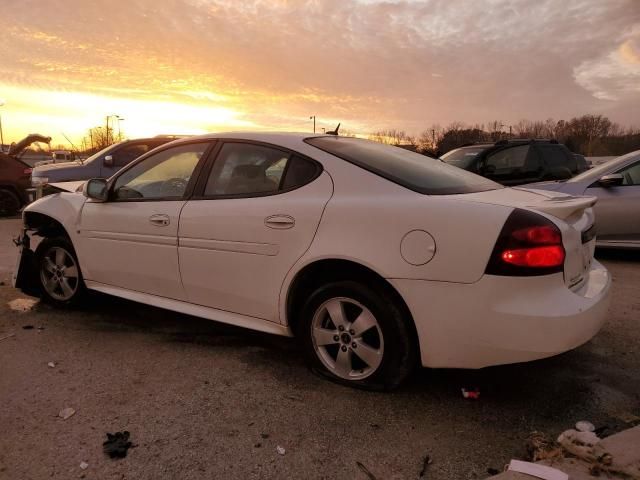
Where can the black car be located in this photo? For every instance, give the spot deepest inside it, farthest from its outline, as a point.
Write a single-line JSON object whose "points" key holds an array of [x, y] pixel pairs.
{"points": [[516, 162]]}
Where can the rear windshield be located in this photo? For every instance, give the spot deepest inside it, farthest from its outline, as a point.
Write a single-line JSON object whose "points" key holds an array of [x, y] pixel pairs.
{"points": [[411, 170], [462, 157]]}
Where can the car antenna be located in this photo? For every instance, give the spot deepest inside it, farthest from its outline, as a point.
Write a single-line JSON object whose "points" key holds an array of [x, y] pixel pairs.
{"points": [[334, 132], [75, 149]]}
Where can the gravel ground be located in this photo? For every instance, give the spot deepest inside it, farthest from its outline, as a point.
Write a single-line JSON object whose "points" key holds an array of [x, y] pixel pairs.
{"points": [[203, 400]]}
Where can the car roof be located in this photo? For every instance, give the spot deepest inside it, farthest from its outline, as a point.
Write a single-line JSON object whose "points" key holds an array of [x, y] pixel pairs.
{"points": [[284, 139]]}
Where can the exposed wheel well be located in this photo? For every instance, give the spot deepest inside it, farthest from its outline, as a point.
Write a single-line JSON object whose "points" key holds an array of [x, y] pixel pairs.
{"points": [[44, 225], [321, 272]]}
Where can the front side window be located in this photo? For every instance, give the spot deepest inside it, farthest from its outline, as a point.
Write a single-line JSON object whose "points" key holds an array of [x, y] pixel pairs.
{"points": [[462, 157], [411, 170], [129, 153], [631, 174], [164, 175], [507, 160], [243, 169]]}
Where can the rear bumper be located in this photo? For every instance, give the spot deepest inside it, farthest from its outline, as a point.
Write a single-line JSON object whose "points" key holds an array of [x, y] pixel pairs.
{"points": [[500, 320]]}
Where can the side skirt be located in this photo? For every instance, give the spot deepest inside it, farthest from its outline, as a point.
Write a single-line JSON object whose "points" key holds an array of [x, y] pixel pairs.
{"points": [[192, 309]]}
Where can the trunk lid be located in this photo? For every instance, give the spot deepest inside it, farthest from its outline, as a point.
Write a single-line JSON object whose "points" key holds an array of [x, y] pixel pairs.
{"points": [[576, 222]]}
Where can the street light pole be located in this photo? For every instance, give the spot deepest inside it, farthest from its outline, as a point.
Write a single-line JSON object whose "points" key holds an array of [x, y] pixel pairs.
{"points": [[1, 133], [119, 129], [313, 117]]}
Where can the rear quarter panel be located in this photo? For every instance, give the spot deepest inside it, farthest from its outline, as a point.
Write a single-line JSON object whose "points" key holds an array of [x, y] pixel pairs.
{"points": [[368, 216]]}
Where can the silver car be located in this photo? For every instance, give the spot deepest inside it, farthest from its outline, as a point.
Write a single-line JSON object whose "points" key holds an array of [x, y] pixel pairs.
{"points": [[617, 186]]}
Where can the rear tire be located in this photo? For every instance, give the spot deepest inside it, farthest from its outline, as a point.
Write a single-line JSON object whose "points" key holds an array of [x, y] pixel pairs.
{"points": [[9, 203], [357, 335], [58, 272]]}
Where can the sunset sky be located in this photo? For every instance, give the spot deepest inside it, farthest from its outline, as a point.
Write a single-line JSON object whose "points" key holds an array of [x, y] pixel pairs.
{"points": [[192, 66]]}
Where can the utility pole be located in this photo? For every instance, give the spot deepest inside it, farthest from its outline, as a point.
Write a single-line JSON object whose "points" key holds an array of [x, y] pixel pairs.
{"points": [[108, 130], [1, 133], [313, 117]]}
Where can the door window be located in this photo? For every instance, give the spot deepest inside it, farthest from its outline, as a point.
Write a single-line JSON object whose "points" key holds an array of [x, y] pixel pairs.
{"points": [[510, 161], [243, 169], [555, 157], [164, 175], [631, 174], [129, 153]]}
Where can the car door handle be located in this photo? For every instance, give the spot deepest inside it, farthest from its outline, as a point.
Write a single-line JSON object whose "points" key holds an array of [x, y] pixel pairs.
{"points": [[280, 222], [159, 220]]}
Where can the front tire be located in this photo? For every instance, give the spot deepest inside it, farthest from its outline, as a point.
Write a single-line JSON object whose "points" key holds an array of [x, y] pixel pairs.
{"points": [[357, 335], [9, 203], [59, 272]]}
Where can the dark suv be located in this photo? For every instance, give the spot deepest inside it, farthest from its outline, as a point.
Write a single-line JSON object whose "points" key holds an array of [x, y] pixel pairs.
{"points": [[516, 162], [100, 165]]}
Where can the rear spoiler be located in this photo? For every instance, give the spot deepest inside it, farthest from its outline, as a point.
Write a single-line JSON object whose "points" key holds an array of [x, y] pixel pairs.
{"points": [[564, 207]]}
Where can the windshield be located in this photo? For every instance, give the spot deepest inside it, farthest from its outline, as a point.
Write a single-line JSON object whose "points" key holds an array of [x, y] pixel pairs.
{"points": [[608, 167], [411, 170], [462, 157], [103, 152]]}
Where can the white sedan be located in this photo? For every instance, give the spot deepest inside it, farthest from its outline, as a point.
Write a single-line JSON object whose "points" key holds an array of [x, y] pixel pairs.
{"points": [[376, 258]]}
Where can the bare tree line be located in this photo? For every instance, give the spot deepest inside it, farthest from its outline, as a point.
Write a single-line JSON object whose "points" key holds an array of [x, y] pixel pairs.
{"points": [[590, 135]]}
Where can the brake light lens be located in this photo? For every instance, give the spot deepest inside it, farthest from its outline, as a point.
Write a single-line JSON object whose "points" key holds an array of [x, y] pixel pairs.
{"points": [[27, 171], [529, 244]]}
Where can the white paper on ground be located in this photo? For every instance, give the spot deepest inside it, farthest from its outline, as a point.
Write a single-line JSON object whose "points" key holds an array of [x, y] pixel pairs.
{"points": [[535, 470]]}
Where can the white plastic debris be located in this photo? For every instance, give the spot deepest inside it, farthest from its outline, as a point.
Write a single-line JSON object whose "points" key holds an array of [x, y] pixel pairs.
{"points": [[84, 465], [51, 365], [537, 470], [584, 426], [66, 413], [280, 450]]}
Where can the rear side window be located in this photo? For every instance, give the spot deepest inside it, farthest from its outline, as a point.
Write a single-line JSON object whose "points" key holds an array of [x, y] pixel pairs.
{"points": [[554, 156], [243, 170], [411, 170], [299, 172]]}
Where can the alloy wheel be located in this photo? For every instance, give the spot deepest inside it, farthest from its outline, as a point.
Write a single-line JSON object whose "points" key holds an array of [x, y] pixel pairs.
{"points": [[347, 338], [59, 274]]}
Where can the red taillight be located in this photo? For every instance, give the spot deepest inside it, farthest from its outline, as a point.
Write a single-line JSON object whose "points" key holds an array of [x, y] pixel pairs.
{"points": [[529, 244], [27, 171], [536, 257], [543, 235]]}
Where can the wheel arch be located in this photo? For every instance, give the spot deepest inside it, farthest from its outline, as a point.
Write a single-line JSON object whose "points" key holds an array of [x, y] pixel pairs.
{"points": [[44, 225], [325, 270]]}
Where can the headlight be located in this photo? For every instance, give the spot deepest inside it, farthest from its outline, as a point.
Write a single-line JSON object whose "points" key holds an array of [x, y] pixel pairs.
{"points": [[39, 181]]}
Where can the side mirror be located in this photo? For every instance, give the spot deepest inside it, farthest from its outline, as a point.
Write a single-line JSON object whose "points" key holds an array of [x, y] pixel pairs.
{"points": [[612, 180], [108, 161], [96, 189]]}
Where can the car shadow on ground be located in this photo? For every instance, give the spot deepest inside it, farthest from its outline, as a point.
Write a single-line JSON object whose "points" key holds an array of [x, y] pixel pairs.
{"points": [[560, 387]]}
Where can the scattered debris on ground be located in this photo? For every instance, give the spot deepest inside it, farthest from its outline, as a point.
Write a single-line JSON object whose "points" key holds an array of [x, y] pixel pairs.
{"points": [[425, 465], [366, 471], [66, 413], [8, 336], [22, 304], [51, 365], [84, 465], [280, 450], [117, 444], [539, 446], [27, 327], [584, 426], [536, 470], [471, 393]]}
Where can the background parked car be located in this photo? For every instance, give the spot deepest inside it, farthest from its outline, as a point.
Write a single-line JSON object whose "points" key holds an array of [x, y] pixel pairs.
{"points": [[516, 162], [100, 165], [617, 186], [14, 176]]}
